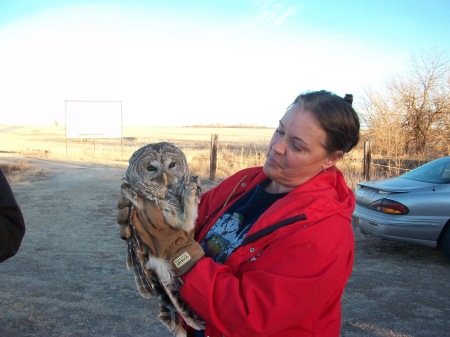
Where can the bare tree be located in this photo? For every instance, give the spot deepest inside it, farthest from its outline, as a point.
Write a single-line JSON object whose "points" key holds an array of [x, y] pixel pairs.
{"points": [[384, 125], [414, 108], [424, 96]]}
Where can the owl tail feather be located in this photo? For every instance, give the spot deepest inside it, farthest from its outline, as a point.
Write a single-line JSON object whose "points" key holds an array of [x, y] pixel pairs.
{"points": [[169, 317], [181, 307], [170, 286]]}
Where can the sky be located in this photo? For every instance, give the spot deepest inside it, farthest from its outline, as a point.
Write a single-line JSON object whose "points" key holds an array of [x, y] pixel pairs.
{"points": [[202, 62]]}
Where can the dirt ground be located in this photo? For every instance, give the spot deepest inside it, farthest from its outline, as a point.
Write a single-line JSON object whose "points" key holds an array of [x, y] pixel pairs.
{"points": [[70, 279]]}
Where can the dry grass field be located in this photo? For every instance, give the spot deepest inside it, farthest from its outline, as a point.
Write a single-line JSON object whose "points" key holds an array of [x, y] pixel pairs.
{"points": [[239, 147]]}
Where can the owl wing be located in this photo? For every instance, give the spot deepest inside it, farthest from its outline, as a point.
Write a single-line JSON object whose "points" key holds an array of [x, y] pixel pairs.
{"points": [[135, 262], [173, 310], [137, 253], [148, 285]]}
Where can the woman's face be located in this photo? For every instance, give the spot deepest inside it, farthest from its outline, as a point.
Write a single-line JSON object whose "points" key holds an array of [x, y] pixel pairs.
{"points": [[297, 150]]}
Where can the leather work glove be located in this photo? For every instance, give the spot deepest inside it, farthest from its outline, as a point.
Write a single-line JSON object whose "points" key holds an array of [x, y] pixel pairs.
{"points": [[172, 244]]}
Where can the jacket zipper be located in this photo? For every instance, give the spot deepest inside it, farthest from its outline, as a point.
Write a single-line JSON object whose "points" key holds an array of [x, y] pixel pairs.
{"points": [[272, 228], [213, 213]]}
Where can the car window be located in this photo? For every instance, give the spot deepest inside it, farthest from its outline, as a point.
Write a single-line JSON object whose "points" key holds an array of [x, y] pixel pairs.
{"points": [[437, 171]]}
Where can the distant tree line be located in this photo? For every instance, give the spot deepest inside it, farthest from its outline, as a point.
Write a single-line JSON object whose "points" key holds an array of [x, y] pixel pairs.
{"points": [[410, 117]]}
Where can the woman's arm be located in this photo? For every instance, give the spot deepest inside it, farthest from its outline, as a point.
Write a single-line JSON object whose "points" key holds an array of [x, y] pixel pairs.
{"points": [[12, 224]]}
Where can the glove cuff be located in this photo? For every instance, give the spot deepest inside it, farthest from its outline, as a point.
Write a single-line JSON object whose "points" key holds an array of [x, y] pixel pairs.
{"points": [[186, 257]]}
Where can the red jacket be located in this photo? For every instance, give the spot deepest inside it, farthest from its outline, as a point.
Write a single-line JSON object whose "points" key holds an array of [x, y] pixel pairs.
{"points": [[288, 276]]}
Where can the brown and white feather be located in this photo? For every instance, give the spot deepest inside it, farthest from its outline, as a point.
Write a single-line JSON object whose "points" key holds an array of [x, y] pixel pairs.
{"points": [[159, 172]]}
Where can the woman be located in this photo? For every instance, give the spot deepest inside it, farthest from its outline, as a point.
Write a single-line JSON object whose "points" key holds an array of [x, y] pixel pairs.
{"points": [[277, 239]]}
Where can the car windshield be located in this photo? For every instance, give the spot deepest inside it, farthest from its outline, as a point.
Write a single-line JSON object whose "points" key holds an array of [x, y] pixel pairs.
{"points": [[437, 171]]}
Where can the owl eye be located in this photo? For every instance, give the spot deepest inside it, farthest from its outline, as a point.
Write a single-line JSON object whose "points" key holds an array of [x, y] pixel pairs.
{"points": [[172, 165], [151, 168]]}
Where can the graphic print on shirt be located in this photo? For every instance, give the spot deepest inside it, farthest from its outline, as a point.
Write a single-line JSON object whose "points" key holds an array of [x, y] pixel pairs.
{"points": [[231, 228], [224, 237]]}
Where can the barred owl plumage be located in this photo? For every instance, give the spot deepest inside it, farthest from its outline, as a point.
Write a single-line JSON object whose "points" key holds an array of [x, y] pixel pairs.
{"points": [[159, 172]]}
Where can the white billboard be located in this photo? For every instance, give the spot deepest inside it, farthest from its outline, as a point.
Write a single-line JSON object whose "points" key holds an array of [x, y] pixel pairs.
{"points": [[93, 119]]}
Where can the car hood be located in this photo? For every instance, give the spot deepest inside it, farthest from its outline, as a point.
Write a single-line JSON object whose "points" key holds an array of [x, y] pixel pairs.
{"points": [[397, 185]]}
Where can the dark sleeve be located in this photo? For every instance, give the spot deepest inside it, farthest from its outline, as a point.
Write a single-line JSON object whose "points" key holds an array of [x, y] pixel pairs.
{"points": [[12, 224]]}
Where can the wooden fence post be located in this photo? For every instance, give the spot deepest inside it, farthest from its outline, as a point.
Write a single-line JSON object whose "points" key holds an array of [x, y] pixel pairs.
{"points": [[367, 160], [213, 157]]}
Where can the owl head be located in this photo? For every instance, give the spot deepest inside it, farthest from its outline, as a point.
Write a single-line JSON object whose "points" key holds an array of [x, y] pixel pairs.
{"points": [[155, 168]]}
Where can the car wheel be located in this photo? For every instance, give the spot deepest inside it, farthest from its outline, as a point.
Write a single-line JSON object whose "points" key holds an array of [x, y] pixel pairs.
{"points": [[444, 241]]}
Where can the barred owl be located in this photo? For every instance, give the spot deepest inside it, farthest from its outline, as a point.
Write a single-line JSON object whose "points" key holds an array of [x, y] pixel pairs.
{"points": [[159, 172]]}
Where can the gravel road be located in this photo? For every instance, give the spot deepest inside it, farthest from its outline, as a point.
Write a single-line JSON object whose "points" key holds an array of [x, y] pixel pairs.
{"points": [[70, 279]]}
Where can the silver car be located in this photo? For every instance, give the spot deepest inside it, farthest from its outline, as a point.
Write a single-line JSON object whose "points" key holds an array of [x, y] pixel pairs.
{"points": [[413, 207]]}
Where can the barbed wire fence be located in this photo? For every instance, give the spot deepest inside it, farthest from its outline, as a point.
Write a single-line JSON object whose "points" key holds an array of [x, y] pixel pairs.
{"points": [[387, 167]]}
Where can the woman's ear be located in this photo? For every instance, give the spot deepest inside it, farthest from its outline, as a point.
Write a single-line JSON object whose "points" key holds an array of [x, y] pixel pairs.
{"points": [[332, 159]]}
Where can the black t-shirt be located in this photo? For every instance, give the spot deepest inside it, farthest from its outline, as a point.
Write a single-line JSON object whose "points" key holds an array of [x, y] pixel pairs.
{"points": [[232, 227]]}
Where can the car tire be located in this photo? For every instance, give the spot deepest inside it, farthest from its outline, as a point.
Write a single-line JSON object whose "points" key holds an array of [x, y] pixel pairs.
{"points": [[444, 241]]}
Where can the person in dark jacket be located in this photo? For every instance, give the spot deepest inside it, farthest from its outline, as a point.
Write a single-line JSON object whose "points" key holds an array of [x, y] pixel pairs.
{"points": [[12, 224], [277, 240]]}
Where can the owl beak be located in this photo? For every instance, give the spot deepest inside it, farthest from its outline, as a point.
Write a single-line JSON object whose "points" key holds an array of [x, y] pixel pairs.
{"points": [[165, 181]]}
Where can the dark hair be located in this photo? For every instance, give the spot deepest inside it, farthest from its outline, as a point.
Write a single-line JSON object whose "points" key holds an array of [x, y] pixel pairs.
{"points": [[336, 116]]}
